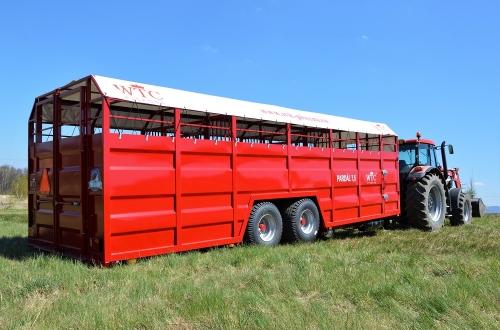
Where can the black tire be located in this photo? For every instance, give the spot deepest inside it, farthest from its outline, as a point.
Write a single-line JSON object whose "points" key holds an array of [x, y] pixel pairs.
{"points": [[426, 203], [463, 214], [301, 221], [264, 225]]}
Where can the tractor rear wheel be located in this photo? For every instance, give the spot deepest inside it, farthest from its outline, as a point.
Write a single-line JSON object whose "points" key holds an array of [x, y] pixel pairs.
{"points": [[463, 214], [426, 203]]}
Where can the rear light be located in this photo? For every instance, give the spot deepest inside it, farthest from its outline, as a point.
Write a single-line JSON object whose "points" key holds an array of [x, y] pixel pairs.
{"points": [[418, 169], [95, 244]]}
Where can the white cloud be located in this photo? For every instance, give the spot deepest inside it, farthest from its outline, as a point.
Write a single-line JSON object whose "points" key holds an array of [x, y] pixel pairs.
{"points": [[210, 49], [363, 39], [259, 9], [479, 184]]}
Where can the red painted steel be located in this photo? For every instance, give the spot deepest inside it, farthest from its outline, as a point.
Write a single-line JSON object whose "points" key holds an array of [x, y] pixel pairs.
{"points": [[117, 192]]}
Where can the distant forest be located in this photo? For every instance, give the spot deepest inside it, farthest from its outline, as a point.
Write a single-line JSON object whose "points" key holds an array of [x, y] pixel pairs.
{"points": [[13, 181]]}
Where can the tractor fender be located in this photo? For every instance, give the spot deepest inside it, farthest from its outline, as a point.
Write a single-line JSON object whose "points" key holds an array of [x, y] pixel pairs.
{"points": [[454, 197], [418, 172]]}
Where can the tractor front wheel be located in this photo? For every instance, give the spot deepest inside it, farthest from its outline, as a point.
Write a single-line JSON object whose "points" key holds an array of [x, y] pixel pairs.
{"points": [[426, 203], [463, 214]]}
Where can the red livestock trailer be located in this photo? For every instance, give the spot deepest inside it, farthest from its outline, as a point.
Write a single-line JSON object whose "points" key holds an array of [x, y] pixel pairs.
{"points": [[120, 170]]}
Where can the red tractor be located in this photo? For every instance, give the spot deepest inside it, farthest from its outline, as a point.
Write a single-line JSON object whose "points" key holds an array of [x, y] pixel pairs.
{"points": [[429, 190]]}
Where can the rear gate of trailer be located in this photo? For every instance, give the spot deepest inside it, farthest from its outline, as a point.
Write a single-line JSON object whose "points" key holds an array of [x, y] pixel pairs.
{"points": [[62, 151]]}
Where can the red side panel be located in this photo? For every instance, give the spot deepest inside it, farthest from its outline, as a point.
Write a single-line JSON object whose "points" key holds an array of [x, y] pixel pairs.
{"points": [[260, 169], [310, 171], [140, 180], [345, 186]]}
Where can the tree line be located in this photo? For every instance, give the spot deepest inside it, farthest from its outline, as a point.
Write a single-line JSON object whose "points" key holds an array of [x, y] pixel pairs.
{"points": [[14, 181]]}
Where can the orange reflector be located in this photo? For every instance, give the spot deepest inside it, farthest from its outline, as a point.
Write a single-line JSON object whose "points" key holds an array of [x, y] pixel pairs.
{"points": [[44, 183]]}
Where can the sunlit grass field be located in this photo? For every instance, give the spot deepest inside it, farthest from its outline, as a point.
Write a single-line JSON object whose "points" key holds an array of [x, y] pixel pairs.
{"points": [[392, 279]]}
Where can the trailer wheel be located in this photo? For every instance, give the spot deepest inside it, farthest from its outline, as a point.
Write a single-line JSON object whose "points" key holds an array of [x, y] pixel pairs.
{"points": [[264, 225], [301, 221], [463, 214], [426, 203]]}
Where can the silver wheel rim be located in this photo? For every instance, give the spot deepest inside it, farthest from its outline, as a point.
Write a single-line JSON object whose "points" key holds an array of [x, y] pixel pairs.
{"points": [[435, 204], [466, 212], [267, 227], [307, 221]]}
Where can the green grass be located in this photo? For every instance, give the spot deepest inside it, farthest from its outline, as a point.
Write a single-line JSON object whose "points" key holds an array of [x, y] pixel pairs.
{"points": [[404, 279]]}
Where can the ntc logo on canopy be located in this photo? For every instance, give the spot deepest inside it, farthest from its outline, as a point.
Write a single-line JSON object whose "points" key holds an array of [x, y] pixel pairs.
{"points": [[139, 93]]}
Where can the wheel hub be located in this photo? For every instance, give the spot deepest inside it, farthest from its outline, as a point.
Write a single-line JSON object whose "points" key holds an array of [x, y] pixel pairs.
{"points": [[307, 222], [431, 203], [267, 227]]}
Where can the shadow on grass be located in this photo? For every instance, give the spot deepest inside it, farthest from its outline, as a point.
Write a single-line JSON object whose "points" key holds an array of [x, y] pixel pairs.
{"points": [[16, 248], [353, 233], [398, 226]]}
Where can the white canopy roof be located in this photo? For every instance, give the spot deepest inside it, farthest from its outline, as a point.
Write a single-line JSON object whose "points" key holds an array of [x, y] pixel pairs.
{"points": [[168, 97]]}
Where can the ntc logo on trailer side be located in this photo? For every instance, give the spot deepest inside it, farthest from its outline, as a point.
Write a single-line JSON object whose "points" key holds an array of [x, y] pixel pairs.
{"points": [[371, 178], [139, 93]]}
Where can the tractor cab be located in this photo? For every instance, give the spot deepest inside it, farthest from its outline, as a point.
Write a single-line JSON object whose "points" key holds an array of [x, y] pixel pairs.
{"points": [[419, 156], [414, 153]]}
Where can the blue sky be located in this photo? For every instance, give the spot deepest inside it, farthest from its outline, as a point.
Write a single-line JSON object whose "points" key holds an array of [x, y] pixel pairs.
{"points": [[429, 66]]}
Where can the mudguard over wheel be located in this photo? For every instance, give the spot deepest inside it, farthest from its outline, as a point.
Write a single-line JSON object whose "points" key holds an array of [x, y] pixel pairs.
{"points": [[426, 202], [301, 221], [264, 225], [463, 214]]}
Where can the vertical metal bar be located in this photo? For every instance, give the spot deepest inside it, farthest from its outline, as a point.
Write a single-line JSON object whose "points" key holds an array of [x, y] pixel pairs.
{"points": [[83, 167], [382, 185], [38, 139], [289, 155], [31, 164], [234, 197], [162, 125], [358, 141], [89, 131], [332, 195], [56, 119], [106, 184], [177, 161]]}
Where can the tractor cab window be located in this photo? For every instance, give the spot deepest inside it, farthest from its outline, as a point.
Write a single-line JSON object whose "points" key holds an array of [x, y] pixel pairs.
{"points": [[407, 155], [426, 154]]}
